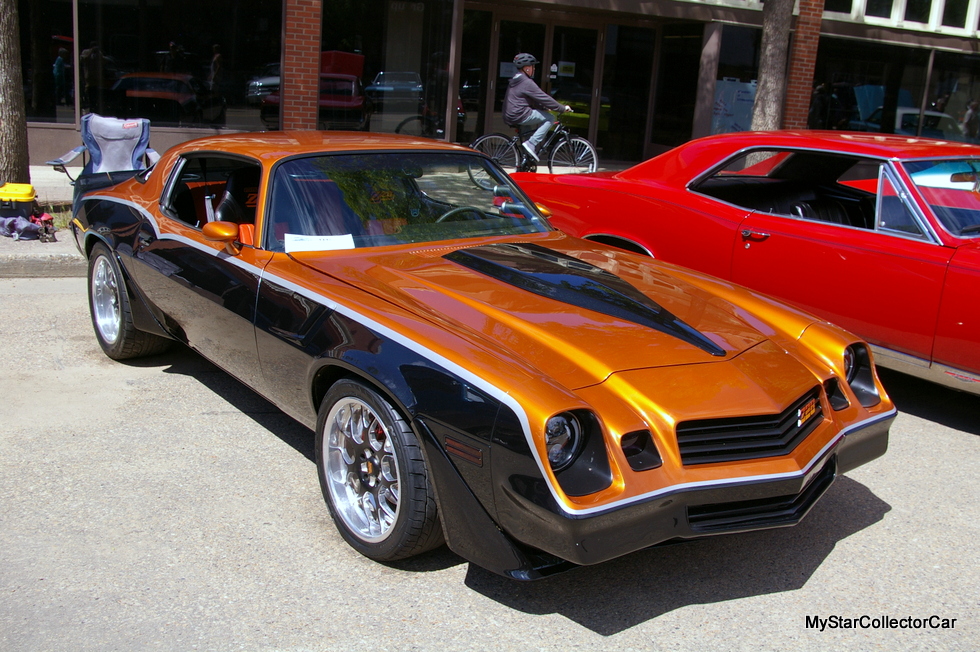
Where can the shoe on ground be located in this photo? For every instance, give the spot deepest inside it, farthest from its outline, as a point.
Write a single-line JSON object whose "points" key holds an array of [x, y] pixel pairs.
{"points": [[529, 148]]}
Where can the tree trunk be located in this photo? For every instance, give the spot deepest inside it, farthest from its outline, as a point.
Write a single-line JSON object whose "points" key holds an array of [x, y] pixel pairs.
{"points": [[14, 162], [767, 112]]}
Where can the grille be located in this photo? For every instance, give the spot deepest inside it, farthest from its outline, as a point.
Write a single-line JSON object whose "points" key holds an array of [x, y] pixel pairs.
{"points": [[746, 438], [766, 512]]}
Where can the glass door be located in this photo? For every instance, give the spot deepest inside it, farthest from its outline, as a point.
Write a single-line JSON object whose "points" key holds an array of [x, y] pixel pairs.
{"points": [[625, 97], [515, 37], [572, 74]]}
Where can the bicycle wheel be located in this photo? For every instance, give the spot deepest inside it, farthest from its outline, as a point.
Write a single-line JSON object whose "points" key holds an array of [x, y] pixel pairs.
{"points": [[501, 149], [573, 155], [411, 126]]}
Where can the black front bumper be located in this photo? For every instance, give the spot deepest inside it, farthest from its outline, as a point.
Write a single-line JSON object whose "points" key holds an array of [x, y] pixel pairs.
{"points": [[532, 538], [742, 505]]}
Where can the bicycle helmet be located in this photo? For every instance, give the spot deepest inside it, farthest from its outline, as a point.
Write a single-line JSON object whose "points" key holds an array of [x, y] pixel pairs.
{"points": [[525, 59]]}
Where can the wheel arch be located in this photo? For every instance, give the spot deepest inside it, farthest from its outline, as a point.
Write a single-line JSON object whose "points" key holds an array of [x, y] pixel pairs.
{"points": [[333, 371], [463, 495], [620, 242]]}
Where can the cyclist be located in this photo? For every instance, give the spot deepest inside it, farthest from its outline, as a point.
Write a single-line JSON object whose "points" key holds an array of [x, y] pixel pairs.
{"points": [[526, 105]]}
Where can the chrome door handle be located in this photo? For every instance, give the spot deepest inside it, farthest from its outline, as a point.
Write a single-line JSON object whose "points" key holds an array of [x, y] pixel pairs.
{"points": [[749, 234]]}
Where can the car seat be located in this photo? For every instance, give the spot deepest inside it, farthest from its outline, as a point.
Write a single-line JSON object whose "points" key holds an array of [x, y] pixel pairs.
{"points": [[239, 202]]}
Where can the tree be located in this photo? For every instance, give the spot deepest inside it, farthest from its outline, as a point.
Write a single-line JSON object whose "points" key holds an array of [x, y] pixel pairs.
{"points": [[14, 161], [767, 112]]}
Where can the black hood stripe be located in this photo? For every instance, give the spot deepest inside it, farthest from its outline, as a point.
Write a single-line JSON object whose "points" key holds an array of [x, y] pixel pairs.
{"points": [[557, 276]]}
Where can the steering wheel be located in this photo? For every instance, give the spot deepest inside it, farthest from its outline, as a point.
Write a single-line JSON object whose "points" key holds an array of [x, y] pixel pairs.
{"points": [[460, 210]]}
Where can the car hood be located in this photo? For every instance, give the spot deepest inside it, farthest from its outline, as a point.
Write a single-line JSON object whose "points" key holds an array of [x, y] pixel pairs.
{"points": [[576, 315]]}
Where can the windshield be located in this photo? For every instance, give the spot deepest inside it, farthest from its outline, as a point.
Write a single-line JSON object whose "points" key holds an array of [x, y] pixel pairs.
{"points": [[952, 189], [348, 201]]}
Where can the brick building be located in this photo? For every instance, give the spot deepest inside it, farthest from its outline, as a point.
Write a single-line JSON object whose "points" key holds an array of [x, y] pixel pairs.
{"points": [[642, 75]]}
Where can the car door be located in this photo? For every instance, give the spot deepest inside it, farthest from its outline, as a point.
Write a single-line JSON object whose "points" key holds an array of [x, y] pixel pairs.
{"points": [[206, 295], [883, 283], [958, 330]]}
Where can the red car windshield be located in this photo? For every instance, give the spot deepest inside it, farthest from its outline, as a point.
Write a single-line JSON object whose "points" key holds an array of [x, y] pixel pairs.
{"points": [[951, 187]]}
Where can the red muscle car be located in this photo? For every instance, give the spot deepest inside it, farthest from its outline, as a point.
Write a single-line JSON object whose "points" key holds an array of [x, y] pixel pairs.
{"points": [[876, 233]]}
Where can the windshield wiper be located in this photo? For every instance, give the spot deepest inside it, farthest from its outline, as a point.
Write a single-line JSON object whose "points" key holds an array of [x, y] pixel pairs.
{"points": [[970, 230]]}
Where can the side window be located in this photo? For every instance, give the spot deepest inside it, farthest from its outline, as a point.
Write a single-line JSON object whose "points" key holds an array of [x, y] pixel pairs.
{"points": [[210, 189], [893, 213], [826, 187]]}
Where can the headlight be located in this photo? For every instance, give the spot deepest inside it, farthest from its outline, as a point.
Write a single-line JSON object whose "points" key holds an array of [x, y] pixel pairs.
{"points": [[563, 436], [849, 367], [859, 373]]}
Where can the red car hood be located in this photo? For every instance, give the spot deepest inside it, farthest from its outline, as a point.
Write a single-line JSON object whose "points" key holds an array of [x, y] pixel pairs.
{"points": [[575, 315]]}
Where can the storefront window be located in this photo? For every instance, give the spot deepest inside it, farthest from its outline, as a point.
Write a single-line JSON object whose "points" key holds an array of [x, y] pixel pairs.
{"points": [[677, 84], [866, 86], [47, 53], [474, 77], [625, 95], [738, 70], [403, 48], [176, 62], [954, 93], [516, 37]]}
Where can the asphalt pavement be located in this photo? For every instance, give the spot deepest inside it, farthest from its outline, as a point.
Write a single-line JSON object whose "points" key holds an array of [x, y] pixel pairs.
{"points": [[158, 504]]}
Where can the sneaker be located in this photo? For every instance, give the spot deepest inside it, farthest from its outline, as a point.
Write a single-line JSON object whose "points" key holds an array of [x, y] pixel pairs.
{"points": [[529, 148]]}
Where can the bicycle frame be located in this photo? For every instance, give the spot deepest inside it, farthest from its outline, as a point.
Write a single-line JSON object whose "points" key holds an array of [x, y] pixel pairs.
{"points": [[528, 164]]}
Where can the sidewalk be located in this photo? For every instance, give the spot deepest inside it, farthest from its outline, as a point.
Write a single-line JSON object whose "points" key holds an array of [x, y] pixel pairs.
{"points": [[32, 258]]}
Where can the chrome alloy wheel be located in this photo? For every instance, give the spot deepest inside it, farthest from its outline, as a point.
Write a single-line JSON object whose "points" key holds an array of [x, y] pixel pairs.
{"points": [[362, 469], [106, 311]]}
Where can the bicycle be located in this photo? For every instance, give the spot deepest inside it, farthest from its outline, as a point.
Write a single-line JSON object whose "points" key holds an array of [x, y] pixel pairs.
{"points": [[429, 123], [564, 152]]}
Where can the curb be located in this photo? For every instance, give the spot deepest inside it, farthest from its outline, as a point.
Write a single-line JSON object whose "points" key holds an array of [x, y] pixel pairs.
{"points": [[36, 259], [54, 265]]}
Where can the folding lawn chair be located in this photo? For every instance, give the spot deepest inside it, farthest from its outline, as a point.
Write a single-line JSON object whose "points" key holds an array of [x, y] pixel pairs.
{"points": [[113, 150]]}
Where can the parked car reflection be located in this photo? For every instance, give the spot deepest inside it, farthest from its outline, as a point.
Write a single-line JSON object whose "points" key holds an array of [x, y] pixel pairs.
{"points": [[165, 98], [935, 124], [395, 87], [261, 85], [342, 104]]}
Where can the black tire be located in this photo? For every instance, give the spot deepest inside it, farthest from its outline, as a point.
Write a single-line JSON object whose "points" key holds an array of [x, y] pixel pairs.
{"points": [[112, 317], [499, 148], [575, 155], [377, 489]]}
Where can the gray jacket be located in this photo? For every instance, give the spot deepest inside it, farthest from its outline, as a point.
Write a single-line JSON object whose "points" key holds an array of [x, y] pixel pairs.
{"points": [[522, 96]]}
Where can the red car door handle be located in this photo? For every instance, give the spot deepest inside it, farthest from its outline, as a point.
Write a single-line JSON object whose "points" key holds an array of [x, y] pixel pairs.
{"points": [[749, 234]]}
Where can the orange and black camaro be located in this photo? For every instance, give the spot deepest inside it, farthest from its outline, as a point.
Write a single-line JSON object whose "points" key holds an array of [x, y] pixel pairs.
{"points": [[471, 374]]}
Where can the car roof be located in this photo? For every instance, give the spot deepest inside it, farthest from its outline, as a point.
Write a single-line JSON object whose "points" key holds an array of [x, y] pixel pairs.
{"points": [[695, 156], [271, 146]]}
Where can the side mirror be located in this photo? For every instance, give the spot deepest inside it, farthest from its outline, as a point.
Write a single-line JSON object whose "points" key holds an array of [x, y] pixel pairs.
{"points": [[226, 232]]}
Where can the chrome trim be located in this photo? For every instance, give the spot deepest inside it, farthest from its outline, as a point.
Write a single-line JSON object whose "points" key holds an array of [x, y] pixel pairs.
{"points": [[617, 237], [904, 193], [734, 482], [951, 377], [504, 397]]}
